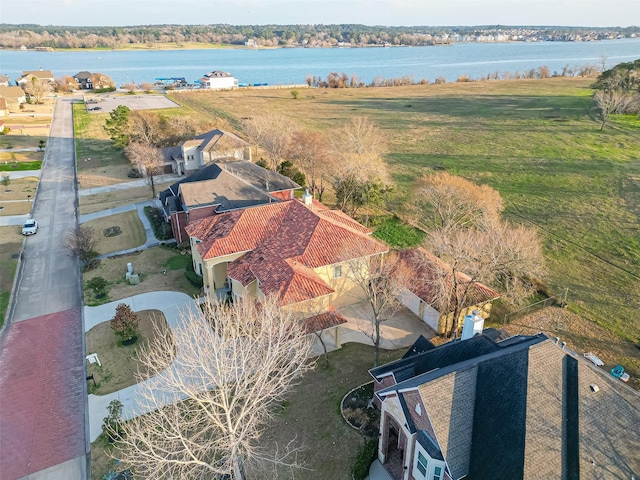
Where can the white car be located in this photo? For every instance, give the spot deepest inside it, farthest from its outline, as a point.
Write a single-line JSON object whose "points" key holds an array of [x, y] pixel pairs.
{"points": [[30, 227]]}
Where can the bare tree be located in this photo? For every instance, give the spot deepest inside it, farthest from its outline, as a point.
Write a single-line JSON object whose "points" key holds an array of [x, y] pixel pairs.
{"points": [[6, 181], [465, 231], [377, 286], [145, 128], [271, 132], [146, 86], [231, 372], [37, 88], [309, 149], [447, 203], [148, 160], [359, 172], [131, 87], [81, 243], [609, 101]]}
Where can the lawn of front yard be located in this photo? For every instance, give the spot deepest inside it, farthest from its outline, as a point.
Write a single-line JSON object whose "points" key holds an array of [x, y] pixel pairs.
{"points": [[118, 232], [160, 268], [310, 418]]}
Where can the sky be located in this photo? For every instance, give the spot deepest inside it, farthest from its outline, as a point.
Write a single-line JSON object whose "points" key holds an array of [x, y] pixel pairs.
{"points": [[594, 13]]}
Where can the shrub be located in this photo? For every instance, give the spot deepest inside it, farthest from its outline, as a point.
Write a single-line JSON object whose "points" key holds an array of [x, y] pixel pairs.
{"points": [[161, 229], [125, 322], [134, 173], [192, 276], [112, 423], [98, 285], [364, 459], [295, 94]]}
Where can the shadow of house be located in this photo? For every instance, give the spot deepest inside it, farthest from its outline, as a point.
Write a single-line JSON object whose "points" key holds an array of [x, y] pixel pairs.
{"points": [[221, 187], [522, 407]]}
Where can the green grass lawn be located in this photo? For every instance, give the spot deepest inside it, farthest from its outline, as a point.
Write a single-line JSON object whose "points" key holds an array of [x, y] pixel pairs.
{"points": [[535, 141]]}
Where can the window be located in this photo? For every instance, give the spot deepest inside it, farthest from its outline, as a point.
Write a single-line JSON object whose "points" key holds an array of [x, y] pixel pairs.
{"points": [[337, 271], [437, 473], [422, 464]]}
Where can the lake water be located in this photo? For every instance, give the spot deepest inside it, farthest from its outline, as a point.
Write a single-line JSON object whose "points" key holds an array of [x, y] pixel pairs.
{"points": [[292, 65]]}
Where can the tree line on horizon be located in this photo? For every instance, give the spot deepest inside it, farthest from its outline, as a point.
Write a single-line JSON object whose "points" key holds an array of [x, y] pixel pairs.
{"points": [[53, 36]]}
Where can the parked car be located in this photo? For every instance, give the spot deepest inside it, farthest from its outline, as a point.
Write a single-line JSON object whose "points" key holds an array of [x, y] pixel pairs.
{"points": [[30, 227], [95, 108]]}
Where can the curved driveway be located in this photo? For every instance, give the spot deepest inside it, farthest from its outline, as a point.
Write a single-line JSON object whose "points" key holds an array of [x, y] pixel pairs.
{"points": [[174, 305]]}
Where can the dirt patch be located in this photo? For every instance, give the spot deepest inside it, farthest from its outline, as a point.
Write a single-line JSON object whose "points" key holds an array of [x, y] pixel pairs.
{"points": [[19, 188], [10, 248], [582, 336], [120, 364]]}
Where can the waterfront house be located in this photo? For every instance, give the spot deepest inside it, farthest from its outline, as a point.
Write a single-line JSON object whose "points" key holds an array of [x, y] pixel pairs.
{"points": [[298, 251], [42, 75], [218, 79], [13, 97]]}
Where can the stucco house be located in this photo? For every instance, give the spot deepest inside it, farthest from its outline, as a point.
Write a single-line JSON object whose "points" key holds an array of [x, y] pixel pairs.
{"points": [[205, 148], [298, 251], [220, 187], [27, 75], [422, 294], [218, 79], [490, 407], [4, 81]]}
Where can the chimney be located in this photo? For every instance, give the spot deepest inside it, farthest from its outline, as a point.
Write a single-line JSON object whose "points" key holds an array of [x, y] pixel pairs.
{"points": [[473, 324], [307, 198]]}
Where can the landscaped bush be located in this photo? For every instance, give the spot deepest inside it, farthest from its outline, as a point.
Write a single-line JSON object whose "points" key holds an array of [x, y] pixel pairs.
{"points": [[192, 276], [161, 229], [365, 458]]}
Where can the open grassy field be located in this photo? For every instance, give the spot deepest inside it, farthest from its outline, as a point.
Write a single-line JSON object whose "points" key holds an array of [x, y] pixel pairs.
{"points": [[535, 141]]}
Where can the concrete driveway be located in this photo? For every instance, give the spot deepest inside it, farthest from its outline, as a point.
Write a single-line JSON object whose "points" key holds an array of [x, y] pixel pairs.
{"points": [[400, 331], [110, 101]]}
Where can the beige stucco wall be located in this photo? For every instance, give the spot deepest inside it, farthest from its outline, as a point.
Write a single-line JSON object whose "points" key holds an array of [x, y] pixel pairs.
{"points": [[347, 292]]}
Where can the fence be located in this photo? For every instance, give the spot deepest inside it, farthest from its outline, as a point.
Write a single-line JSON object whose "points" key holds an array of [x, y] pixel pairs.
{"points": [[549, 301]]}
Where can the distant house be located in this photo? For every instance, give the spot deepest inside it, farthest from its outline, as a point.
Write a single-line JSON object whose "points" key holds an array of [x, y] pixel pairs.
{"points": [[89, 81], [205, 148], [423, 290], [13, 96], [4, 110], [43, 75], [221, 187], [4, 81], [83, 80], [218, 79], [296, 251], [521, 407]]}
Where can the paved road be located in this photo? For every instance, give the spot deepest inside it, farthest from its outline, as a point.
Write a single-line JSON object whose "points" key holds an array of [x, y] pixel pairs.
{"points": [[44, 424]]}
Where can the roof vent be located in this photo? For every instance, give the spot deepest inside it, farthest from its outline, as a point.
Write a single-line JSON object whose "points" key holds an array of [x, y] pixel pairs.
{"points": [[307, 198], [563, 344], [594, 388]]}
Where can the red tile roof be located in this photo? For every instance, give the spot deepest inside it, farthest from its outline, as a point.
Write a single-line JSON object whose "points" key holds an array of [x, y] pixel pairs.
{"points": [[287, 240], [328, 319], [422, 279]]}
